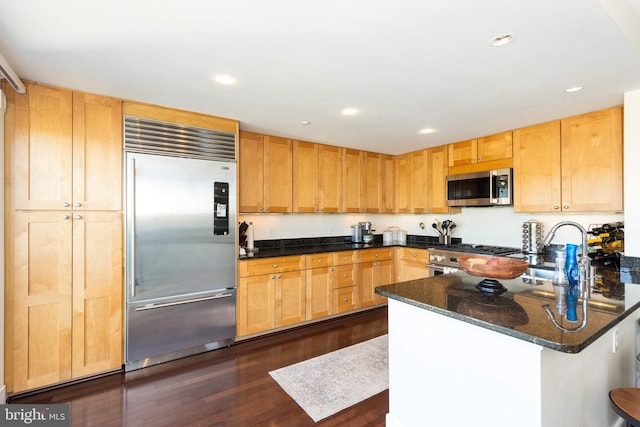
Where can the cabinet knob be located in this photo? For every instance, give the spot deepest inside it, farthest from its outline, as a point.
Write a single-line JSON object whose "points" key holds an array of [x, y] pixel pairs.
{"points": [[266, 209], [273, 277], [565, 207], [275, 265], [346, 300], [78, 204], [320, 261], [345, 258], [78, 216], [65, 216], [346, 275], [414, 255], [331, 269], [259, 209], [479, 158], [279, 276], [66, 204], [376, 255], [556, 207]]}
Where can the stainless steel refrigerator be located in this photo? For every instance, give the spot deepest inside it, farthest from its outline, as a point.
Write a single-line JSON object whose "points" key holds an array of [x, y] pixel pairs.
{"points": [[181, 250]]}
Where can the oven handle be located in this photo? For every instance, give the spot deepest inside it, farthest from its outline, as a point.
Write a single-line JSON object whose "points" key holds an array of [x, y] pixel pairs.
{"points": [[441, 268]]}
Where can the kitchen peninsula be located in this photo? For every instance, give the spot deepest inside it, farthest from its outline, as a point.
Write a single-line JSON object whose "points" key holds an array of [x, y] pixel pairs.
{"points": [[457, 357]]}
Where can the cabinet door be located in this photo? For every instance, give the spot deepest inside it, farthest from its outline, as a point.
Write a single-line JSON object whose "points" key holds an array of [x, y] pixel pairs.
{"points": [[39, 321], [290, 298], [351, 180], [319, 292], [371, 184], [97, 152], [402, 203], [329, 178], [345, 299], [250, 172], [256, 304], [536, 168], [437, 170], [463, 153], [366, 280], [385, 275], [305, 177], [387, 186], [419, 182], [42, 141], [97, 293], [495, 147], [278, 174], [592, 161]]}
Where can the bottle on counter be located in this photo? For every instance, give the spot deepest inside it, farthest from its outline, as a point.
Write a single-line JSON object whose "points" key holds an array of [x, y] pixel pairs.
{"points": [[573, 276], [560, 282]]}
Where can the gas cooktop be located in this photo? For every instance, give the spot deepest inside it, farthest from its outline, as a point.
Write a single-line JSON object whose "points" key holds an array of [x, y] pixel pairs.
{"points": [[477, 249]]}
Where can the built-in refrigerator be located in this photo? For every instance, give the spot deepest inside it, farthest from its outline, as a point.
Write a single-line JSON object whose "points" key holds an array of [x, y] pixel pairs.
{"points": [[180, 234]]}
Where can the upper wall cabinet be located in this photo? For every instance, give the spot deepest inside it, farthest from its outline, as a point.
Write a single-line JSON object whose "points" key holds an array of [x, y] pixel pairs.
{"points": [[65, 146], [402, 195], [479, 150], [570, 165], [317, 172], [351, 180], [265, 173]]}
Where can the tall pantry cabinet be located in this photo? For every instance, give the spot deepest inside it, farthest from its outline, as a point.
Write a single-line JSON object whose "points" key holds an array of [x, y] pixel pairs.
{"points": [[63, 154]]}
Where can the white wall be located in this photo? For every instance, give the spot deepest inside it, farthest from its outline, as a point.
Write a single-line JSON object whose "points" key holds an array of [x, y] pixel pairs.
{"points": [[491, 226]]}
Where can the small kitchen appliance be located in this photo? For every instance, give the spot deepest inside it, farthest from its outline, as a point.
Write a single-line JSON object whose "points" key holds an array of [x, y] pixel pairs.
{"points": [[485, 188]]}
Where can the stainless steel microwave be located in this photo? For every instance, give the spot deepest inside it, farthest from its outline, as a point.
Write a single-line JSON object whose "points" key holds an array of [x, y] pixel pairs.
{"points": [[487, 188]]}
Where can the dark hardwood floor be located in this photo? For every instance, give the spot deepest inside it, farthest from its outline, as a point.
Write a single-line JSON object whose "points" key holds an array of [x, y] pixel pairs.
{"points": [[225, 387]]}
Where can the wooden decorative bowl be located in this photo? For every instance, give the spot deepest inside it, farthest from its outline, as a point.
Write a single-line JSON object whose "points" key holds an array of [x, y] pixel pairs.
{"points": [[493, 267]]}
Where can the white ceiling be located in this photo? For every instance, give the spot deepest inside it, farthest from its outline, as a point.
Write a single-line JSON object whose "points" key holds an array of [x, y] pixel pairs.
{"points": [[405, 64]]}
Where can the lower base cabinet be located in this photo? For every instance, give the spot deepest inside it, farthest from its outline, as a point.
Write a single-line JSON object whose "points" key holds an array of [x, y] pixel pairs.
{"points": [[64, 297], [411, 264]]}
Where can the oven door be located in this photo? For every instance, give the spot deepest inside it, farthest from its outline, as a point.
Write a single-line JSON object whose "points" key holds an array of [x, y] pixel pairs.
{"points": [[438, 270]]}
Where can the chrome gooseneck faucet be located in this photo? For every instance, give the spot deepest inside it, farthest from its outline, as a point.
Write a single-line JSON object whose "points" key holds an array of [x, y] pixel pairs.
{"points": [[587, 276]]}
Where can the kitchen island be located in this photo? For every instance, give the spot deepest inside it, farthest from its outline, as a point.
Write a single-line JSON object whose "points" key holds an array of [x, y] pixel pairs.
{"points": [[457, 357]]}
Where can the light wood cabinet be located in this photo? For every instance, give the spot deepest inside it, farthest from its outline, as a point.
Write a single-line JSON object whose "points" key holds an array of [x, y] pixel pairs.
{"points": [[592, 161], [317, 172], [66, 298], [345, 289], [65, 144], [64, 226], [419, 181], [402, 195], [351, 180], [478, 150], [271, 293], [320, 279], [388, 184], [371, 182], [376, 268], [570, 165], [537, 171], [411, 264], [437, 174], [265, 173]]}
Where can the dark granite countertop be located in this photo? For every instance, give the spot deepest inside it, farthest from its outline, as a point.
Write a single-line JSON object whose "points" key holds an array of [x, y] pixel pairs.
{"points": [[518, 312], [313, 245]]}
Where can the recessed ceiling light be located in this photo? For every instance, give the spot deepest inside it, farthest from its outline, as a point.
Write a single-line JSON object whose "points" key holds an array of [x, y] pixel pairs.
{"points": [[305, 122], [225, 79], [502, 40], [574, 89], [349, 111], [427, 130]]}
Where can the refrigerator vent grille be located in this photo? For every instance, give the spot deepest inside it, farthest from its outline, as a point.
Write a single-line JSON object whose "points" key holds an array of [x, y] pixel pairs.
{"points": [[170, 139]]}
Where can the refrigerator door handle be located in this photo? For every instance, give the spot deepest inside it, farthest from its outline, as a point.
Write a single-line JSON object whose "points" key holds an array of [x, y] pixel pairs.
{"points": [[131, 192], [171, 304]]}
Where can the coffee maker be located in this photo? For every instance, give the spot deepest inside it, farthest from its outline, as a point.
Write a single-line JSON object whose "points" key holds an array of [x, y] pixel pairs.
{"points": [[360, 230]]}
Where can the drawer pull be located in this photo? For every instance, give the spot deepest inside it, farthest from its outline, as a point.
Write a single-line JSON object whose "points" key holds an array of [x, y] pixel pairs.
{"points": [[275, 265], [346, 275]]}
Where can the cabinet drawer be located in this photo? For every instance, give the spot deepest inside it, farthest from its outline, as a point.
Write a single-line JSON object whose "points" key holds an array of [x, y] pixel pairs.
{"points": [[257, 267], [375, 254], [414, 255], [319, 260], [345, 299], [345, 276], [346, 257]]}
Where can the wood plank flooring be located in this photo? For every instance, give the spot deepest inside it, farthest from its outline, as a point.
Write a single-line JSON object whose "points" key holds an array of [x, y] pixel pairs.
{"points": [[225, 387]]}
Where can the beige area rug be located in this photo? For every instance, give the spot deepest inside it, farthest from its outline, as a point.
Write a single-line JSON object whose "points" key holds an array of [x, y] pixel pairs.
{"points": [[334, 381]]}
